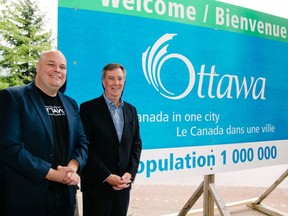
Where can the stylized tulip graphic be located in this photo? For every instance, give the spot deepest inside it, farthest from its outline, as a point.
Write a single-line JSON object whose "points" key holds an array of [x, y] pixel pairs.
{"points": [[153, 60]]}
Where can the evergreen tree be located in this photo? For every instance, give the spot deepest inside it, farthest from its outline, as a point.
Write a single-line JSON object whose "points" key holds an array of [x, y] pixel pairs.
{"points": [[22, 38]]}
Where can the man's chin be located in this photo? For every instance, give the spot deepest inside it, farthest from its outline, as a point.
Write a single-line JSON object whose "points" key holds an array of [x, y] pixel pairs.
{"points": [[57, 85]]}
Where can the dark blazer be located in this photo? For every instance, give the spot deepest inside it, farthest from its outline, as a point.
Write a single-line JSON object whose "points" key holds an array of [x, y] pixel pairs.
{"points": [[26, 146], [106, 155]]}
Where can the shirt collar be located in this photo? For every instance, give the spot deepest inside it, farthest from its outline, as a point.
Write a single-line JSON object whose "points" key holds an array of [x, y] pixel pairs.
{"points": [[110, 103]]}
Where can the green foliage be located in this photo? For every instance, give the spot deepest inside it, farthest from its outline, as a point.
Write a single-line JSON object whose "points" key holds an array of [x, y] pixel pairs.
{"points": [[22, 39], [7, 81]]}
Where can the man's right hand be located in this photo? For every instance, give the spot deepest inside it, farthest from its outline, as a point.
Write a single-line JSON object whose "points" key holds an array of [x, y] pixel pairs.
{"points": [[60, 174], [117, 182]]}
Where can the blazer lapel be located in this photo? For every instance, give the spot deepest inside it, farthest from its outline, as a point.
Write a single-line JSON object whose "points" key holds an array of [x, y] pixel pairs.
{"points": [[71, 121], [107, 117], [126, 116], [40, 107]]}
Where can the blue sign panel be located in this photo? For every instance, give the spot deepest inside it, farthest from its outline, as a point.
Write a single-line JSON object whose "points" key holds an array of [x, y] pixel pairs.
{"points": [[193, 86]]}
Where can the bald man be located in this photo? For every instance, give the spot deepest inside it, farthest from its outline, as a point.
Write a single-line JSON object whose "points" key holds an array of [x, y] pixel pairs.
{"points": [[42, 144]]}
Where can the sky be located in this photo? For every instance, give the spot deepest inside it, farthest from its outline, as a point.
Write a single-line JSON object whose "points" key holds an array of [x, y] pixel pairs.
{"points": [[273, 7]]}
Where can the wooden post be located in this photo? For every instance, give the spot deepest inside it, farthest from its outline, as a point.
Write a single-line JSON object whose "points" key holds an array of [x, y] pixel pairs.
{"points": [[208, 202], [193, 199], [218, 200], [265, 209], [210, 194]]}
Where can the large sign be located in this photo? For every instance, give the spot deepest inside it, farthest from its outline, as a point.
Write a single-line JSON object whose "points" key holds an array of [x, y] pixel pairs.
{"points": [[208, 79]]}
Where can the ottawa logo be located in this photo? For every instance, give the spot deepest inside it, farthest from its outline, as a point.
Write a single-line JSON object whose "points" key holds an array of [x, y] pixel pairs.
{"points": [[209, 84], [155, 57]]}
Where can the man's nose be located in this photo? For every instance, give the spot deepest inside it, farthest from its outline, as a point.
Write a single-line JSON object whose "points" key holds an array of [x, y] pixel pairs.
{"points": [[57, 68]]}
